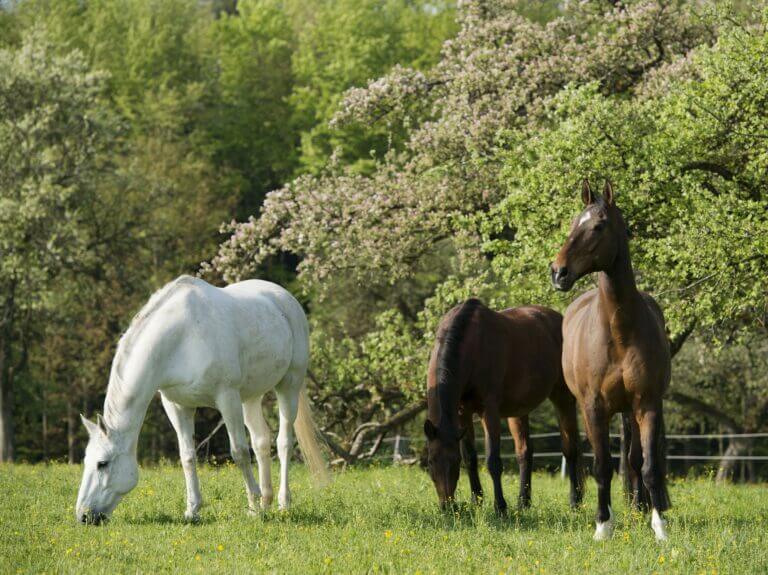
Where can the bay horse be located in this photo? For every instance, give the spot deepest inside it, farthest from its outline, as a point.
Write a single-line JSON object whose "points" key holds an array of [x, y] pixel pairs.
{"points": [[616, 355], [203, 346], [496, 364]]}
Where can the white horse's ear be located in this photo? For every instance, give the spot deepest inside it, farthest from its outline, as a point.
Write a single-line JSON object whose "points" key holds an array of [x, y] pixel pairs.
{"points": [[92, 428], [103, 425]]}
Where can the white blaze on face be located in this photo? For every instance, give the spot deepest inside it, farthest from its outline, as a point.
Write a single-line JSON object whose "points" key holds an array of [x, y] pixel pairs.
{"points": [[585, 218]]}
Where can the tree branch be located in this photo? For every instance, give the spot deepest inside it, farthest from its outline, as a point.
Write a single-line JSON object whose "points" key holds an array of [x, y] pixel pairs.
{"points": [[705, 409], [676, 343]]}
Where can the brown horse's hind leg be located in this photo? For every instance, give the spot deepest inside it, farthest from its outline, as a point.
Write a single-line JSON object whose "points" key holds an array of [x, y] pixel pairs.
{"points": [[469, 457], [633, 463], [565, 404], [653, 471], [519, 428], [597, 430], [492, 425]]}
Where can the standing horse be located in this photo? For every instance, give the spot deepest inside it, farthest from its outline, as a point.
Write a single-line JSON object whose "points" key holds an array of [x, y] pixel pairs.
{"points": [[615, 355], [496, 364], [203, 346]]}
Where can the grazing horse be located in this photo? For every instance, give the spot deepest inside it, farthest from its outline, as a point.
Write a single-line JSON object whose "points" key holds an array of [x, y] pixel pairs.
{"points": [[496, 364], [203, 346], [615, 355]]}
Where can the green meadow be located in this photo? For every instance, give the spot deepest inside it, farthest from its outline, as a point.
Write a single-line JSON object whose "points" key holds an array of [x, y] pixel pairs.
{"points": [[373, 520]]}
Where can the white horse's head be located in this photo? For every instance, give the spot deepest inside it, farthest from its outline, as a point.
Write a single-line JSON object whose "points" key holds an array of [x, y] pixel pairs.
{"points": [[110, 471]]}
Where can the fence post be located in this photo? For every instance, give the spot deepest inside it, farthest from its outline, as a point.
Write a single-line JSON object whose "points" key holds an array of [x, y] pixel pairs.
{"points": [[396, 457]]}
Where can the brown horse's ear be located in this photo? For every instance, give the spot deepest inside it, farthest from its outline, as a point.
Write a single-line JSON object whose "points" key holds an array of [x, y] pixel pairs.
{"points": [[608, 192], [430, 430], [586, 193]]}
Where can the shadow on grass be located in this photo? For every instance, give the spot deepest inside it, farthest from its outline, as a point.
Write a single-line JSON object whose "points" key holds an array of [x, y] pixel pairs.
{"points": [[168, 519]]}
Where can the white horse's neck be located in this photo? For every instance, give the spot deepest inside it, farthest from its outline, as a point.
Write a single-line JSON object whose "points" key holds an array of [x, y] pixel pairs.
{"points": [[129, 394]]}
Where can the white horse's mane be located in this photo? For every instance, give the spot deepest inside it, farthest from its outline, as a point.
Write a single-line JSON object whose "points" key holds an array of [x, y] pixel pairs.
{"points": [[138, 321]]}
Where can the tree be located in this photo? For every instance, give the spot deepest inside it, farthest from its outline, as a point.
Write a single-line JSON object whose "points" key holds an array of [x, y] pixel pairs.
{"points": [[250, 124], [660, 97], [54, 134]]}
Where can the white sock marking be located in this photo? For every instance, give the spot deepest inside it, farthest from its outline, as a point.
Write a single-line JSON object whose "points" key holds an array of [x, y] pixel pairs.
{"points": [[659, 526], [604, 530]]}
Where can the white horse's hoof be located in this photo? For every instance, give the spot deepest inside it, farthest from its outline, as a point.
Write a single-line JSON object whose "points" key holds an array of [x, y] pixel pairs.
{"points": [[283, 503], [191, 516], [659, 526], [604, 530], [254, 512]]}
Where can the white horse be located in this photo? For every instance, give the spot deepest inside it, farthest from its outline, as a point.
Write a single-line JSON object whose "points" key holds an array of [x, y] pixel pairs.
{"points": [[203, 346]]}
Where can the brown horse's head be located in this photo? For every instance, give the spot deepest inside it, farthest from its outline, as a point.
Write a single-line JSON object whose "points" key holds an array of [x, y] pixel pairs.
{"points": [[594, 241], [444, 459]]}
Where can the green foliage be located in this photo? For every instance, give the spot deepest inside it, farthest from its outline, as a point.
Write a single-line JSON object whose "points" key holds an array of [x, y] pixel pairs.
{"points": [[54, 134], [369, 520], [250, 125], [343, 44]]}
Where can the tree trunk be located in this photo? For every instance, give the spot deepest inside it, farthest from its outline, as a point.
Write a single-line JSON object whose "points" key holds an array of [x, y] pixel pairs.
{"points": [[728, 466], [71, 432], [6, 399], [6, 414]]}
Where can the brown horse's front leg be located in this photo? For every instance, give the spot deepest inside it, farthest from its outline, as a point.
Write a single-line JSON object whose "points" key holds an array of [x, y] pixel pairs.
{"points": [[492, 425], [597, 430], [519, 428], [469, 456]]}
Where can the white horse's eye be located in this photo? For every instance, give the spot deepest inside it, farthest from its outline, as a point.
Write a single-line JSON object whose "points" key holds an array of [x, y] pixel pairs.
{"points": [[102, 465]]}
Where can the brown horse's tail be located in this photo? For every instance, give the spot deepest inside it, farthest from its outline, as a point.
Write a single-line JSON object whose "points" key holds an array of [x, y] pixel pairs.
{"points": [[449, 354]]}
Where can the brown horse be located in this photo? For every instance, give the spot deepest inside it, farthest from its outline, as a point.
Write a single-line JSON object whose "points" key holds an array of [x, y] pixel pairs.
{"points": [[496, 364], [615, 355]]}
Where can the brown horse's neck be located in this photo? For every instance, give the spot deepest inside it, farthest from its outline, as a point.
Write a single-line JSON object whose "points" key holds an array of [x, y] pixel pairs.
{"points": [[618, 290]]}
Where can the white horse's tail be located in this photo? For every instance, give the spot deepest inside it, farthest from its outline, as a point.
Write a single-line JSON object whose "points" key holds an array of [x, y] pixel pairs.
{"points": [[307, 435]]}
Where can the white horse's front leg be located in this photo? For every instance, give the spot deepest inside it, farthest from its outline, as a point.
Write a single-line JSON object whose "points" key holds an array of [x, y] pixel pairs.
{"points": [[183, 421], [260, 441], [231, 408], [288, 401]]}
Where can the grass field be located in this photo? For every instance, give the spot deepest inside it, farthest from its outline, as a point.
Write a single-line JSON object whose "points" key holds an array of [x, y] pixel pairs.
{"points": [[377, 520]]}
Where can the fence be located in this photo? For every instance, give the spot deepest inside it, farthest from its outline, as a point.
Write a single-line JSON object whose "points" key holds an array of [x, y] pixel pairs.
{"points": [[401, 443]]}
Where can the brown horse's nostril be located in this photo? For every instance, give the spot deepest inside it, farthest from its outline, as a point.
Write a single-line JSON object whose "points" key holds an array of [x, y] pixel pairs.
{"points": [[561, 273]]}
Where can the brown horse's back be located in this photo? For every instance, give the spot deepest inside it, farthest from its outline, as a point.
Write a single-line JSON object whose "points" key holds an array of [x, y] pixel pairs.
{"points": [[512, 357]]}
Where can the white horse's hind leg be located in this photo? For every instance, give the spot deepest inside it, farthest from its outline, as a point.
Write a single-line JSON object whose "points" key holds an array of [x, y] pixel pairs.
{"points": [[183, 421], [260, 441], [288, 401], [231, 408]]}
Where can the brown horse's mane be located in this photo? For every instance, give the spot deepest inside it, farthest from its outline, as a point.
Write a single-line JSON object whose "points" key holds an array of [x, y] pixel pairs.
{"points": [[449, 353]]}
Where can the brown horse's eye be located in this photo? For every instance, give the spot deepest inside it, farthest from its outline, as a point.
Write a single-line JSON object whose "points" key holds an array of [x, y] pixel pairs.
{"points": [[599, 226]]}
